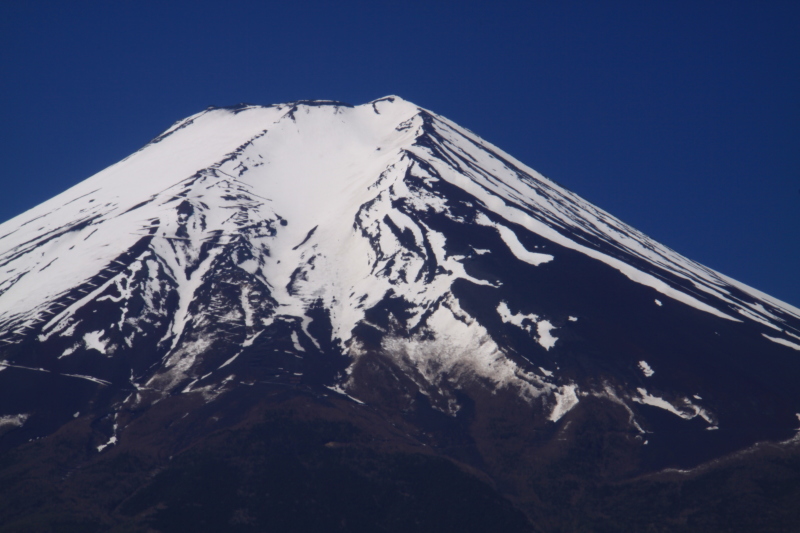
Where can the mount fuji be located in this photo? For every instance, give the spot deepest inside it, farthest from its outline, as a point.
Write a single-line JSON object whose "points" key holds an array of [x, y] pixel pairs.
{"points": [[318, 316]]}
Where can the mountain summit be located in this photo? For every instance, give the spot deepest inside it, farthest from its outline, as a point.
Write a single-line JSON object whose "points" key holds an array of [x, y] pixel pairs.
{"points": [[375, 314]]}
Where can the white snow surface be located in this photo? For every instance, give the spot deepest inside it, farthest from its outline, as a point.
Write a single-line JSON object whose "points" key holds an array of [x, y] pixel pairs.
{"points": [[566, 399], [784, 342], [327, 179], [516, 247], [646, 369], [546, 339], [314, 170], [520, 320], [13, 420], [527, 322], [94, 341], [684, 409]]}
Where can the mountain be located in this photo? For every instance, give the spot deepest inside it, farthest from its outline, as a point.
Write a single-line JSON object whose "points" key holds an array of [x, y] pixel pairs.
{"points": [[315, 316]]}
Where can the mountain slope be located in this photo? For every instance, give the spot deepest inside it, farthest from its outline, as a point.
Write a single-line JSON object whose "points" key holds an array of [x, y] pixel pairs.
{"points": [[381, 262]]}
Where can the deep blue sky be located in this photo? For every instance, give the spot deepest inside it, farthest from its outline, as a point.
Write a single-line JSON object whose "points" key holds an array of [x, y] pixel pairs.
{"points": [[680, 118]]}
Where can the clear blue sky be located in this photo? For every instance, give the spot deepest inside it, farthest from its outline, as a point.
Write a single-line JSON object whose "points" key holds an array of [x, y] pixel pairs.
{"points": [[680, 118]]}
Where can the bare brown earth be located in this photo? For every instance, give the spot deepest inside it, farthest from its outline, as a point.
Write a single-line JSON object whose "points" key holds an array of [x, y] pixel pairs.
{"points": [[292, 459]]}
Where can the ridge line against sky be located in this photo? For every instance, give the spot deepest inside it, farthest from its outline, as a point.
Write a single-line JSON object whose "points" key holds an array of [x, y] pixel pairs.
{"points": [[682, 119]]}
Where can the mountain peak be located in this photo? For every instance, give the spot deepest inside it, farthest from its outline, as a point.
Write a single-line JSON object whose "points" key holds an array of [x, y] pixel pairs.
{"points": [[383, 257]]}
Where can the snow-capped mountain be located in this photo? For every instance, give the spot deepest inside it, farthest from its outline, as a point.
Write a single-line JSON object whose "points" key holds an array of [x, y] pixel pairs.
{"points": [[382, 258]]}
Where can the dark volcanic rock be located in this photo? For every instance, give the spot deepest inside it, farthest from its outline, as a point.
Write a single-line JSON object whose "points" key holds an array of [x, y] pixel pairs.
{"points": [[320, 317]]}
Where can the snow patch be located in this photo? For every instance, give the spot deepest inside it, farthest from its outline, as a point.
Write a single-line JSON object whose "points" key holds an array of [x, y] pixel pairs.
{"points": [[518, 319], [93, 340], [566, 398], [687, 411], [13, 420], [223, 365], [112, 441], [511, 240], [71, 350], [648, 399], [296, 342], [89, 378], [645, 368], [546, 339], [527, 322], [784, 342], [339, 390]]}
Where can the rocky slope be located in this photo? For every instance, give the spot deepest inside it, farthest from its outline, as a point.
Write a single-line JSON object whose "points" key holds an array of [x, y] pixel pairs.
{"points": [[336, 298]]}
